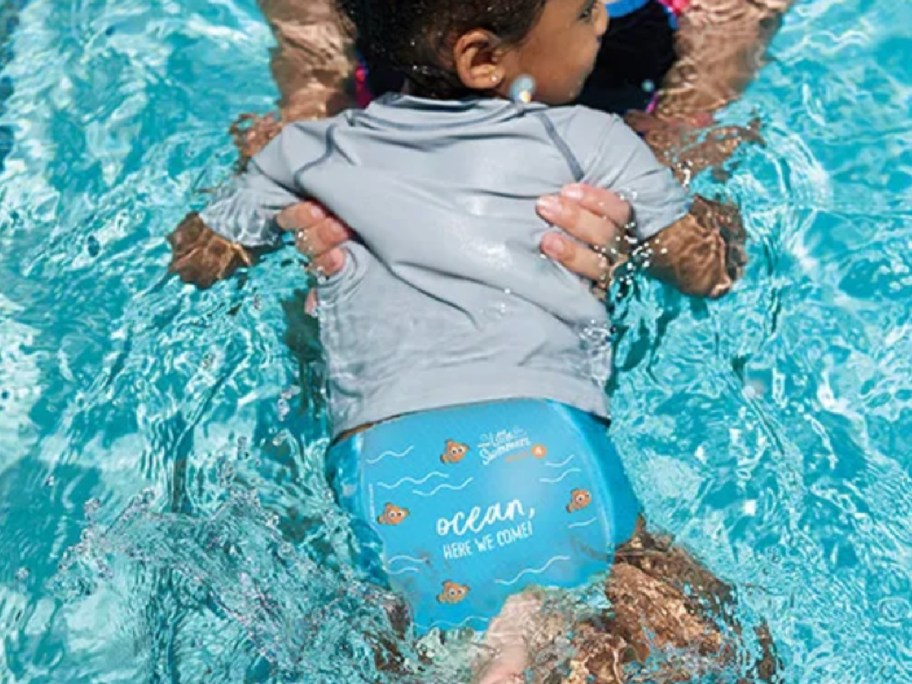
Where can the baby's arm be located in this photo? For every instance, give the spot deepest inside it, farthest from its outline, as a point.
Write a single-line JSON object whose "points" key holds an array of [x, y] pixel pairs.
{"points": [[702, 253], [698, 248], [228, 234]]}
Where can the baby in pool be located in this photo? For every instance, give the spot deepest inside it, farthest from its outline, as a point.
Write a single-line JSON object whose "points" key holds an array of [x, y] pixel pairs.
{"points": [[465, 372]]}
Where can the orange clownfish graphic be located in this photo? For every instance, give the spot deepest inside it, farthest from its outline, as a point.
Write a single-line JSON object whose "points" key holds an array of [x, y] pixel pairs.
{"points": [[579, 499], [392, 515], [454, 452], [452, 592]]}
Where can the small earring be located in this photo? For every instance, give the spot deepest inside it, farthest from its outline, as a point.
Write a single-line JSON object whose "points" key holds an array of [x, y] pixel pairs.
{"points": [[496, 77]]}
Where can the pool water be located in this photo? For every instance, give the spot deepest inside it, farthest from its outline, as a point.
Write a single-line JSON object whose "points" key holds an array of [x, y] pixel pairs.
{"points": [[162, 512]]}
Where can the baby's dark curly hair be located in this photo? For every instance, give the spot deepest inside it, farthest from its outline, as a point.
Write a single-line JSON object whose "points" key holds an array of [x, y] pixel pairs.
{"points": [[415, 37]]}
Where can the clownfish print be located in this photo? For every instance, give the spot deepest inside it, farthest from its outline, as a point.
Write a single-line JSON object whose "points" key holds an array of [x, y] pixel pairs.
{"points": [[454, 451], [579, 499], [452, 592], [392, 515]]}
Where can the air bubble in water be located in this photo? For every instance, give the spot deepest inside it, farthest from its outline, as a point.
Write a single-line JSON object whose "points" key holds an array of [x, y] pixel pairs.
{"points": [[90, 508], [596, 340]]}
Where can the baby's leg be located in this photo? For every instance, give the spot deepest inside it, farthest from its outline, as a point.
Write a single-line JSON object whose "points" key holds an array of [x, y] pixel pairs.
{"points": [[314, 58], [720, 46], [312, 65], [507, 639], [664, 599]]}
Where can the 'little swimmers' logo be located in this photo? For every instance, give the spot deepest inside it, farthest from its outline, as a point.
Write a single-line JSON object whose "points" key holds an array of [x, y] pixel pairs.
{"points": [[452, 592], [579, 499], [454, 451], [493, 445], [392, 515]]}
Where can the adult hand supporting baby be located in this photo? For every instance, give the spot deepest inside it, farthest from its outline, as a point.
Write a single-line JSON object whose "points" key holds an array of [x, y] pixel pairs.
{"points": [[593, 216], [318, 235]]}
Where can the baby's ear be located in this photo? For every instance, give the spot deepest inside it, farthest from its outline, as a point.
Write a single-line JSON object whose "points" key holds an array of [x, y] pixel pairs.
{"points": [[476, 60]]}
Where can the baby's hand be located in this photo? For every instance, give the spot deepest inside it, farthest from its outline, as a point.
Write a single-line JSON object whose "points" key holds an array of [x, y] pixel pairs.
{"points": [[726, 220], [200, 256], [703, 253]]}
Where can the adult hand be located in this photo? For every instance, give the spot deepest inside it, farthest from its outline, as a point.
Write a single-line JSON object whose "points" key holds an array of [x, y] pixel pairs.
{"points": [[318, 235], [590, 215], [597, 219]]}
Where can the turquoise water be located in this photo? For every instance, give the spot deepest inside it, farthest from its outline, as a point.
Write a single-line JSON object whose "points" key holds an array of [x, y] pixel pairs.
{"points": [[162, 515]]}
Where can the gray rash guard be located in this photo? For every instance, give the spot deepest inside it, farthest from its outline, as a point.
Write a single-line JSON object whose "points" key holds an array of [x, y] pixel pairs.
{"points": [[446, 299]]}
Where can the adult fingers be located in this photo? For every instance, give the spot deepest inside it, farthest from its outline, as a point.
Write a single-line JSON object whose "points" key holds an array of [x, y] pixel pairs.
{"points": [[599, 202], [316, 232], [329, 263], [577, 258], [594, 216]]}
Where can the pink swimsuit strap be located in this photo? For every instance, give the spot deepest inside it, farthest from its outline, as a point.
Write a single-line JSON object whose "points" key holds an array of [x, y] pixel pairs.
{"points": [[362, 93], [678, 7]]}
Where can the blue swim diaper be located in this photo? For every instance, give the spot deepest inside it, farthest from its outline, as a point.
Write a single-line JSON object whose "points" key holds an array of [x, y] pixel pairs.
{"points": [[459, 508]]}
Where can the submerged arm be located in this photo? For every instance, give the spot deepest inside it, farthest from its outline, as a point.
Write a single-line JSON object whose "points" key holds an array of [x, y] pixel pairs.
{"points": [[702, 253], [241, 221]]}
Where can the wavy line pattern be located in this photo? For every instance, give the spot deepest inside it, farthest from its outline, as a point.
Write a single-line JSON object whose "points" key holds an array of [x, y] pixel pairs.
{"points": [[424, 479], [404, 557], [583, 523], [533, 571], [558, 479], [400, 571], [391, 454], [562, 463], [444, 486]]}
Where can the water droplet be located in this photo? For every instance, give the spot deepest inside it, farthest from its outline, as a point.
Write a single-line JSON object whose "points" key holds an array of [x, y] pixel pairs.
{"points": [[522, 89]]}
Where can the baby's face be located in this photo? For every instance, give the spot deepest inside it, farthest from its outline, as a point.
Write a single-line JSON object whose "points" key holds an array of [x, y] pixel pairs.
{"points": [[560, 51]]}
